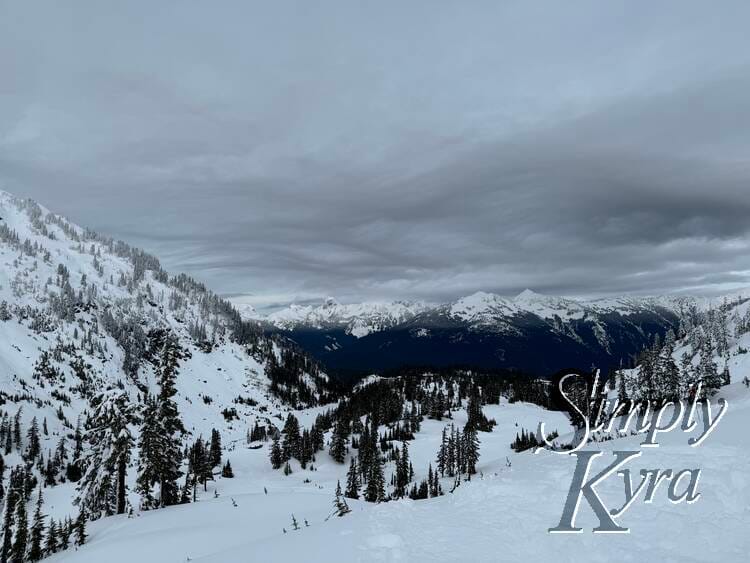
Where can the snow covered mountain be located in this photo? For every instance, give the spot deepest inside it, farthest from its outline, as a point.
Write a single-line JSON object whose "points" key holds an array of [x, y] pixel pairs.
{"points": [[89, 325], [70, 294], [358, 320], [481, 329]]}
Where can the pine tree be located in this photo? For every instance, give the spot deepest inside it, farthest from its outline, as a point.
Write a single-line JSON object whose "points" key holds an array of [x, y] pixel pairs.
{"points": [[352, 481], [215, 450], [102, 489], [622, 390], [73, 472], [65, 531], [52, 543], [167, 463], [226, 471], [276, 456], [149, 443], [403, 471], [37, 531], [8, 522], [670, 377], [338, 443], [290, 444], [200, 464], [160, 444], [442, 456], [34, 446], [18, 552], [708, 372], [471, 449], [80, 528], [375, 490], [339, 502], [4, 311], [17, 428]]}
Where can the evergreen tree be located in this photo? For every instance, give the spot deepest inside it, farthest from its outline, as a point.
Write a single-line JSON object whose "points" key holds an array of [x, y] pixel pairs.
{"points": [[73, 471], [471, 449], [338, 443], [403, 471], [375, 490], [17, 428], [52, 543], [34, 446], [200, 464], [4, 311], [102, 489], [290, 444], [149, 443], [215, 450], [160, 443], [670, 377], [442, 456], [708, 372], [8, 523], [80, 528], [352, 481], [65, 531], [622, 390], [339, 502], [167, 463], [226, 471], [18, 552], [37, 532], [277, 457]]}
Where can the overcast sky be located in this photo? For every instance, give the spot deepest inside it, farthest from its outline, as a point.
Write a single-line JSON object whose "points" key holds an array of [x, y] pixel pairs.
{"points": [[392, 150]]}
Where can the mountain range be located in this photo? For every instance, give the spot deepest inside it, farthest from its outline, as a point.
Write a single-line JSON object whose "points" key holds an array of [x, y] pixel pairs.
{"points": [[91, 328], [483, 329]]}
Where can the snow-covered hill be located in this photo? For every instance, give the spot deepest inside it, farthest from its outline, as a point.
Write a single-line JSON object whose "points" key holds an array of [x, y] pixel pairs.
{"points": [[81, 313], [501, 515]]}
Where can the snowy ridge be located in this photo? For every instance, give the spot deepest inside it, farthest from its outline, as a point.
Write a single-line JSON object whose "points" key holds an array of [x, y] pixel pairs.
{"points": [[480, 309], [359, 319], [72, 296]]}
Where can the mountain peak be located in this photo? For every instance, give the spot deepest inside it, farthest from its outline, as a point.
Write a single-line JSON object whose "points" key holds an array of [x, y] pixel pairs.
{"points": [[330, 302], [527, 295]]}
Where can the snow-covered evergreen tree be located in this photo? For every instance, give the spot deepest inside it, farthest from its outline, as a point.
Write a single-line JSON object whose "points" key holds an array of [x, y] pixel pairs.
{"points": [[102, 489]]}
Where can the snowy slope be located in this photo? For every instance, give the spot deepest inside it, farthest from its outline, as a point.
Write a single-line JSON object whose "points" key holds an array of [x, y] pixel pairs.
{"points": [[91, 307], [502, 515]]}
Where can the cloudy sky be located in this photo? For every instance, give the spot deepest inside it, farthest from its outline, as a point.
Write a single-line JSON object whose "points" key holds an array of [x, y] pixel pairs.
{"points": [[419, 150]]}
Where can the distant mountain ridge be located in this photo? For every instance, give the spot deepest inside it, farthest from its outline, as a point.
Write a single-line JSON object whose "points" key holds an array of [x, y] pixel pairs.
{"points": [[531, 332]]}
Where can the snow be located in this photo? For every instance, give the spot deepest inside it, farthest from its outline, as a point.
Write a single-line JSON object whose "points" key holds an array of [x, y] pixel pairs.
{"points": [[359, 319], [501, 515], [481, 310]]}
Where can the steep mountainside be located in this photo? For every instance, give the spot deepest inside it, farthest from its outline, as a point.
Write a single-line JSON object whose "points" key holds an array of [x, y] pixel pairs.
{"points": [[81, 313], [482, 329]]}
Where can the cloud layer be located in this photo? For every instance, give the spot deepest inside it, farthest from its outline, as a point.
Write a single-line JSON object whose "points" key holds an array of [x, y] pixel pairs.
{"points": [[392, 150]]}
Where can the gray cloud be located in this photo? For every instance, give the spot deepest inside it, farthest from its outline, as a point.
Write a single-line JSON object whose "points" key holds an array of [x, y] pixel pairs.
{"points": [[377, 151]]}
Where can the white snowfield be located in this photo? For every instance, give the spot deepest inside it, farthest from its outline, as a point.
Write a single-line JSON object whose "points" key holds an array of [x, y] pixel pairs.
{"points": [[503, 514]]}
